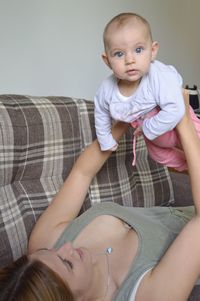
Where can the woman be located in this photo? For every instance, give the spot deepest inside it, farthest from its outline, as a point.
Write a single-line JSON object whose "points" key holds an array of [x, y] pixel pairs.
{"points": [[110, 252]]}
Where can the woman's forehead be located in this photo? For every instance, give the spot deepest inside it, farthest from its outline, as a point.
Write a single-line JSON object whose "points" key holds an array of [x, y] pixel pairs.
{"points": [[47, 256]]}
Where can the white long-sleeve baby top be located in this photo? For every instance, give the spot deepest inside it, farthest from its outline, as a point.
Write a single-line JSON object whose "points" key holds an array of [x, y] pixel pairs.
{"points": [[160, 87]]}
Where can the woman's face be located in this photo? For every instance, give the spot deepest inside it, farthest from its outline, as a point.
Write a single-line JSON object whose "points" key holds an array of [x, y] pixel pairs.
{"points": [[73, 265]]}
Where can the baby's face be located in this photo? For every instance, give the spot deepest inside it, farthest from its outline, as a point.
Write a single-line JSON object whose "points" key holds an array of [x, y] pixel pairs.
{"points": [[129, 51]]}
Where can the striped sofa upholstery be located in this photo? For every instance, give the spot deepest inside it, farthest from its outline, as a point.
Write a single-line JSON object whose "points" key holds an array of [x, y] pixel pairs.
{"points": [[40, 138]]}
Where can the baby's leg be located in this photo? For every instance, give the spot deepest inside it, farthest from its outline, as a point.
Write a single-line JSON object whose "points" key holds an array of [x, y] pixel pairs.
{"points": [[166, 149], [170, 139], [171, 156], [167, 140], [195, 120]]}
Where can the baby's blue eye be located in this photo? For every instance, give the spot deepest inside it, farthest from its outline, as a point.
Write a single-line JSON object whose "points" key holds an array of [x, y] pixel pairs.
{"points": [[138, 50], [119, 54]]}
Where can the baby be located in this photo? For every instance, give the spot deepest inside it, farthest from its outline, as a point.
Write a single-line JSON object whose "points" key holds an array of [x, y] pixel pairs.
{"points": [[141, 91]]}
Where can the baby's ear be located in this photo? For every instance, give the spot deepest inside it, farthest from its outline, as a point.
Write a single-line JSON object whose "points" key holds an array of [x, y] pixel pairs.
{"points": [[154, 50], [105, 59]]}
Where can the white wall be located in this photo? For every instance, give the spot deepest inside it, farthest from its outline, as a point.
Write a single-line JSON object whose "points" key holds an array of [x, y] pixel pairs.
{"points": [[53, 47]]}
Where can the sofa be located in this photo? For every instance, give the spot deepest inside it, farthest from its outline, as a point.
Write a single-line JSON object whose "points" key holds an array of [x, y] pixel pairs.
{"points": [[40, 139]]}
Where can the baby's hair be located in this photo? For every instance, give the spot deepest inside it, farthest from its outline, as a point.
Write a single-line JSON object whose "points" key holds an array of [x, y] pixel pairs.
{"points": [[123, 19]]}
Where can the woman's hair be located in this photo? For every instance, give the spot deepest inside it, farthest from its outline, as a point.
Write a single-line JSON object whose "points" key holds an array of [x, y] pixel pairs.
{"points": [[31, 280]]}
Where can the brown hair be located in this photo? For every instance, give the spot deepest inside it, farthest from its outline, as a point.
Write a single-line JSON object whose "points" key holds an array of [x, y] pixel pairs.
{"points": [[31, 280], [123, 19]]}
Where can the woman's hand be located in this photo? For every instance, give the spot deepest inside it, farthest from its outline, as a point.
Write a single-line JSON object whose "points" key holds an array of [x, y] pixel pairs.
{"points": [[138, 131]]}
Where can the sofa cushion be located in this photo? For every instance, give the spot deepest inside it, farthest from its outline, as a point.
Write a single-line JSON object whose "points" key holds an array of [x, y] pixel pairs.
{"points": [[40, 138]]}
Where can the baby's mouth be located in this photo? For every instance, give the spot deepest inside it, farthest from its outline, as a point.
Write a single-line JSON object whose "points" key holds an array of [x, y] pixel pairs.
{"points": [[132, 72]]}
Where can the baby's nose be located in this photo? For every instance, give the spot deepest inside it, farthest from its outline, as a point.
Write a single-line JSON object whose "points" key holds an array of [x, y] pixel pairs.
{"points": [[130, 58]]}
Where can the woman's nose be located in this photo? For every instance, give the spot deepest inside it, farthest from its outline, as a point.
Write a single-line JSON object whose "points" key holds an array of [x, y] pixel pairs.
{"points": [[66, 249]]}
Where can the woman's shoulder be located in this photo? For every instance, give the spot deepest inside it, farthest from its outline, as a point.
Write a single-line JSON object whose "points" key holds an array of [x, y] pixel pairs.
{"points": [[38, 242]]}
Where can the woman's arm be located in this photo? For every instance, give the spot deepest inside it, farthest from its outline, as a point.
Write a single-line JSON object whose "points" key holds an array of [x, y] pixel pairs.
{"points": [[191, 146], [176, 273], [68, 201]]}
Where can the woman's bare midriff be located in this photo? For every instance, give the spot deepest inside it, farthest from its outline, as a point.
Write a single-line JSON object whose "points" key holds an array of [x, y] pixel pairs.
{"points": [[108, 231]]}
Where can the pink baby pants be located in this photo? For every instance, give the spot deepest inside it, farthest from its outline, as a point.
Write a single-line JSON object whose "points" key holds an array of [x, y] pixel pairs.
{"points": [[164, 149]]}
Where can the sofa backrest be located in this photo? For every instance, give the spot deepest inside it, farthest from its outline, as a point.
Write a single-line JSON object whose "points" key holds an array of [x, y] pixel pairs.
{"points": [[40, 139]]}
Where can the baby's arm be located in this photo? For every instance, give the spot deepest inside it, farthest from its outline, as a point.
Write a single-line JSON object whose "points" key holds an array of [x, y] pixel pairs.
{"points": [[103, 123], [168, 94]]}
